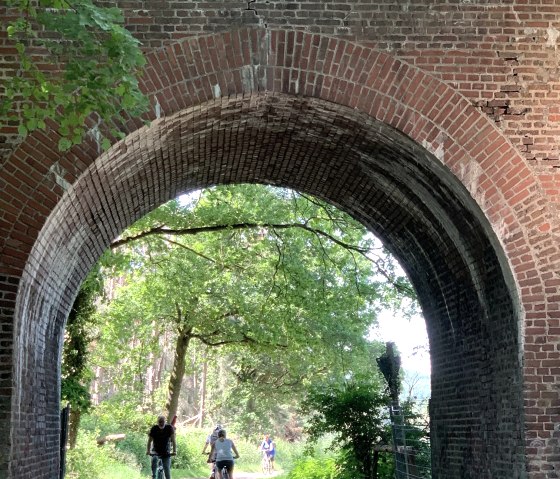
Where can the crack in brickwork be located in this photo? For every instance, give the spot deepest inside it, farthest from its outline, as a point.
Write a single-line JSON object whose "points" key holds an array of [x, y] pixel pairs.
{"points": [[251, 7]]}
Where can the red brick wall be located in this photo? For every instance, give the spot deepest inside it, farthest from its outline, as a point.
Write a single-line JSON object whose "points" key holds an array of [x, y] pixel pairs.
{"points": [[472, 83]]}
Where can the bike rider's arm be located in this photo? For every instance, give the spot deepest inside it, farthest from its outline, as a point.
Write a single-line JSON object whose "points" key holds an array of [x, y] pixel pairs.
{"points": [[149, 446], [234, 449]]}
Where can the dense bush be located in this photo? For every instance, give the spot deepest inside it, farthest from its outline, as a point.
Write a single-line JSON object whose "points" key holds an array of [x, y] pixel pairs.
{"points": [[134, 447], [89, 461], [118, 415], [189, 447], [86, 460], [314, 468]]}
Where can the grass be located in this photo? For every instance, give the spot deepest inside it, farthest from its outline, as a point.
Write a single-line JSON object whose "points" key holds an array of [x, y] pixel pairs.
{"points": [[122, 471], [204, 472]]}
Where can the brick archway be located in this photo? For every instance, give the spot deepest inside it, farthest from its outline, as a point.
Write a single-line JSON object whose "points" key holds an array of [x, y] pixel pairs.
{"points": [[414, 150]]}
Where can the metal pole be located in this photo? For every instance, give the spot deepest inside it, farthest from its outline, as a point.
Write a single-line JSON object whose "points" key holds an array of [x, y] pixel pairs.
{"points": [[64, 420]]}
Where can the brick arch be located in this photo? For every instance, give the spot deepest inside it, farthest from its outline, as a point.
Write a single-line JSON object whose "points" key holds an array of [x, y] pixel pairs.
{"points": [[197, 78], [199, 69]]}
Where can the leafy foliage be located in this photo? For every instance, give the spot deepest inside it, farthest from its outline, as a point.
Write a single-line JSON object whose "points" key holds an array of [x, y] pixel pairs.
{"points": [[281, 283], [76, 374], [88, 461], [84, 458], [94, 68], [316, 468], [356, 414]]}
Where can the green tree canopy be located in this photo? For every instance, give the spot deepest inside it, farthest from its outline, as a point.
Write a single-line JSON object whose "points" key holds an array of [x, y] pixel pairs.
{"points": [[284, 286]]}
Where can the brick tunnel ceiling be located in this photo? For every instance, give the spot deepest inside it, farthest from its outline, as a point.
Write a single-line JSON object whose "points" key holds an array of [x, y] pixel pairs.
{"points": [[378, 175], [375, 173]]}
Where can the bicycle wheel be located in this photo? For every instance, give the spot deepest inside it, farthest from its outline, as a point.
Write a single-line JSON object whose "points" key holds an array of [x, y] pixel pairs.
{"points": [[225, 473], [266, 464], [160, 474]]}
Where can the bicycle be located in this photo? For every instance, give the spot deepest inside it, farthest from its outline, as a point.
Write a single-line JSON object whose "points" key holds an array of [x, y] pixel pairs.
{"points": [[213, 470], [266, 465], [225, 473], [159, 469]]}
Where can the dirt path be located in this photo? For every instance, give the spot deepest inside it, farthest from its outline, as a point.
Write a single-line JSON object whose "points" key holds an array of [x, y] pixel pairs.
{"points": [[253, 475]]}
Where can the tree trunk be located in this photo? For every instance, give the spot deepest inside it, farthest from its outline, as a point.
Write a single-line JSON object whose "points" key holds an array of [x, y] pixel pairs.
{"points": [[75, 416], [178, 371], [374, 465], [368, 466], [202, 405]]}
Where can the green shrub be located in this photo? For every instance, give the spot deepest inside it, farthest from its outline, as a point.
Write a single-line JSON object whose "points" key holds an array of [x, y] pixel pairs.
{"points": [[314, 468], [189, 447], [288, 453], [132, 450], [134, 443], [87, 460]]}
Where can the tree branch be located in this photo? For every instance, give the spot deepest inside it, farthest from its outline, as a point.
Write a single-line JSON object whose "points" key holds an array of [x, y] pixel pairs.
{"points": [[162, 230], [245, 339]]}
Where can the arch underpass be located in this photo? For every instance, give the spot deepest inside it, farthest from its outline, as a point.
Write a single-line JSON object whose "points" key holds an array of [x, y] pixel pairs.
{"points": [[395, 148]]}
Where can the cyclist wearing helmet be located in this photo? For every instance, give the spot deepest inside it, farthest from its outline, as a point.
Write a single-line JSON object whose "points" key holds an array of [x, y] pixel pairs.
{"points": [[210, 440]]}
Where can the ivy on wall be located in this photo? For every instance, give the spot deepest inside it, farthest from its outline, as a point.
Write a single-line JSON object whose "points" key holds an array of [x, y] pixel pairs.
{"points": [[87, 65]]}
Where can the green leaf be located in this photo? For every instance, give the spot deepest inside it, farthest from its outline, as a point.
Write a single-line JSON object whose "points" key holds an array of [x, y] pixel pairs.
{"points": [[64, 144], [31, 124], [22, 130], [95, 62], [77, 138]]}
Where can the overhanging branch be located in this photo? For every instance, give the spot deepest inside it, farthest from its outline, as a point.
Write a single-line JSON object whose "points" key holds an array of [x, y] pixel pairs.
{"points": [[165, 231]]}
